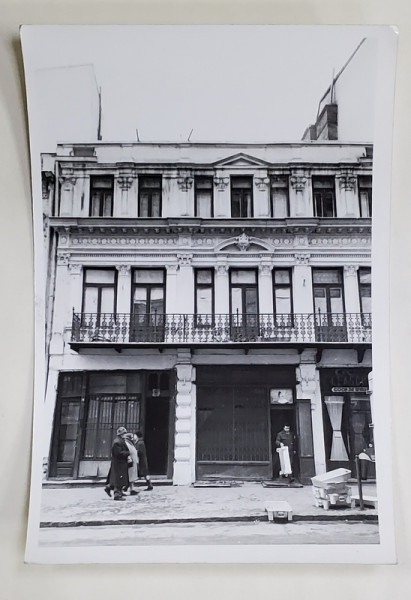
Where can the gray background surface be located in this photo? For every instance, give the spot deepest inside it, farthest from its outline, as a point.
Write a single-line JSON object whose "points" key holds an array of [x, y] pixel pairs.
{"points": [[20, 581]]}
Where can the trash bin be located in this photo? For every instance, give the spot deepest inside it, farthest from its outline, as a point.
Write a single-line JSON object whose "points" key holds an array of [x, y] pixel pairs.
{"points": [[331, 488]]}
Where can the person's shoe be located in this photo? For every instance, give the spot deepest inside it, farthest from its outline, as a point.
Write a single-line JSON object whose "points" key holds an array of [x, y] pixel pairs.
{"points": [[107, 490], [119, 498], [133, 493], [149, 487]]}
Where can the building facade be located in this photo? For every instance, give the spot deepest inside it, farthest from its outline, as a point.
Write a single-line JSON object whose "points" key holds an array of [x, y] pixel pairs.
{"points": [[208, 294]]}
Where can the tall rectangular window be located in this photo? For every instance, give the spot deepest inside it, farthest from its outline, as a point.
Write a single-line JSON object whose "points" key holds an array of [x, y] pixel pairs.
{"points": [[279, 197], [324, 196], [149, 194], [99, 291], [282, 292], [203, 197], [364, 284], [101, 196], [204, 294], [365, 195], [241, 197]]}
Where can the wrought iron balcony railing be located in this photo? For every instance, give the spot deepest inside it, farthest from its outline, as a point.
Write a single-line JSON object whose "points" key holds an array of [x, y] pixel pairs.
{"points": [[329, 328]]}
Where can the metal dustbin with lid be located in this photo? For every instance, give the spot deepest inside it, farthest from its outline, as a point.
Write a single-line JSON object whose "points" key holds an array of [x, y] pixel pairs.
{"points": [[331, 488]]}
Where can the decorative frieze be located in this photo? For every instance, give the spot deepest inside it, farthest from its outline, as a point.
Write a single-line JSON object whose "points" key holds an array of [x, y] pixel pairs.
{"points": [[221, 183], [124, 241]]}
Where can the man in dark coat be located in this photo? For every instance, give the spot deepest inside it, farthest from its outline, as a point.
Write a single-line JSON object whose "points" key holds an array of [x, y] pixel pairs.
{"points": [[286, 438], [142, 460], [118, 475]]}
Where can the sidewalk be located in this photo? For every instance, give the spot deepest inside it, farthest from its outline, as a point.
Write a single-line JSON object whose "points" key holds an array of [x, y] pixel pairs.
{"points": [[72, 507]]}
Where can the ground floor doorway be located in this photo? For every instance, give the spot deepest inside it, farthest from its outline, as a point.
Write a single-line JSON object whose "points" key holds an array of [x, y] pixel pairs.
{"points": [[90, 406]]}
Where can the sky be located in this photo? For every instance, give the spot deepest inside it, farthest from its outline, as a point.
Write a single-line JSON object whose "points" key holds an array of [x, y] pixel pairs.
{"points": [[217, 83]]}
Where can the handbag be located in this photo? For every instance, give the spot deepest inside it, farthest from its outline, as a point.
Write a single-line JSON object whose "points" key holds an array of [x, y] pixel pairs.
{"points": [[130, 462]]}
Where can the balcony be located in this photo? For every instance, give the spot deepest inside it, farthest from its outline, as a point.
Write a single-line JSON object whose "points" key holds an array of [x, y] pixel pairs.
{"points": [[244, 330]]}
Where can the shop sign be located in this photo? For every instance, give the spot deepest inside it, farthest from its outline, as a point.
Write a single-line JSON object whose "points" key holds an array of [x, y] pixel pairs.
{"points": [[350, 390]]}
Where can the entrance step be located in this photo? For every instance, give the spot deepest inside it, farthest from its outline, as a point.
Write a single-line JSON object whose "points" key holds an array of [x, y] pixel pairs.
{"points": [[70, 483]]}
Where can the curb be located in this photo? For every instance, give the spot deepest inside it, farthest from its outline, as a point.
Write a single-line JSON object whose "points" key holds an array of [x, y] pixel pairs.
{"points": [[326, 517]]}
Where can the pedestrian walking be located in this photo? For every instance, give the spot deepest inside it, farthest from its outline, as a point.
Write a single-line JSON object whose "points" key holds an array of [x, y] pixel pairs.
{"points": [[131, 440], [118, 474], [142, 460]]}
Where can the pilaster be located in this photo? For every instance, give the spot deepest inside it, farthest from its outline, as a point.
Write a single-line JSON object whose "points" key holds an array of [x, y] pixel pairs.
{"points": [[346, 194], [222, 288], [302, 284], [351, 292], [222, 204], [171, 289], [185, 283], [184, 449], [265, 286], [300, 194], [123, 288]]}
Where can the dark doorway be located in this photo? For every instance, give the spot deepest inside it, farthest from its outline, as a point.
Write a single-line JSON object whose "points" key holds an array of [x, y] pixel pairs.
{"points": [[280, 417], [157, 434]]}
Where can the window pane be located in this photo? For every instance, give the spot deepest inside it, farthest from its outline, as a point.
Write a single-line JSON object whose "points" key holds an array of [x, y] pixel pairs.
{"points": [[241, 182], [113, 383], [101, 183], [322, 183], [203, 200], [251, 300], [95, 205], [205, 183], [90, 300], [336, 301], [148, 276], [365, 202], [320, 300], [140, 301], [144, 200], [283, 300], [326, 276], [150, 182], [281, 276], [108, 205], [157, 301], [204, 276], [236, 301], [155, 204], [279, 200], [100, 276], [204, 301], [239, 276], [107, 300]]}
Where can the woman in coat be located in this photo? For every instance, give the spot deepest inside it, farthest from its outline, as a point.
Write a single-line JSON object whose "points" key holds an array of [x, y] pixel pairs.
{"points": [[142, 460], [130, 440]]}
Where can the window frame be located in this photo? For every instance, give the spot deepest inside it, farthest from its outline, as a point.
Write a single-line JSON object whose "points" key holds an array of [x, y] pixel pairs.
{"points": [[282, 285], [148, 285], [93, 180], [199, 286], [287, 188], [362, 286], [250, 179], [368, 189], [322, 190], [198, 179], [150, 190], [100, 286]]}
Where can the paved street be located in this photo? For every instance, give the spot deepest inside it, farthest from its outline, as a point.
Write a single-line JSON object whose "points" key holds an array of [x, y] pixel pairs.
{"points": [[213, 533]]}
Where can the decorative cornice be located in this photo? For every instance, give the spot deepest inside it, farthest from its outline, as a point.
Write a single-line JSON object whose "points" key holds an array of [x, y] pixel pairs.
{"points": [[221, 183]]}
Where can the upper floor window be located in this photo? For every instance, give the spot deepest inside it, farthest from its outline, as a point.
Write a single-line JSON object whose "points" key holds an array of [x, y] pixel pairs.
{"points": [[149, 193], [241, 196], [101, 196], [282, 291], [364, 284], [99, 291], [203, 196], [204, 295], [365, 195], [279, 197], [324, 196]]}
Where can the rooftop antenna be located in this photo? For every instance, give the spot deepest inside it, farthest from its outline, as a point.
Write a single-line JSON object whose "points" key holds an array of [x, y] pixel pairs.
{"points": [[99, 137], [138, 137], [188, 139], [332, 88]]}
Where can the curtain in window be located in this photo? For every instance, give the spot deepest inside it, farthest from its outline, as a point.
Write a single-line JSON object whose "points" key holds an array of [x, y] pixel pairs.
{"points": [[335, 406]]}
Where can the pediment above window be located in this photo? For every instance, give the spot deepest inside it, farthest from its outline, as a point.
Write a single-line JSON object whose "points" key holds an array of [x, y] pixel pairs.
{"points": [[241, 160]]}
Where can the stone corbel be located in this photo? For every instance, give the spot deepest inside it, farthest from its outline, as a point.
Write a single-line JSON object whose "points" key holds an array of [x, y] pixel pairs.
{"points": [[243, 242], [302, 258], [347, 180], [262, 183], [221, 183], [125, 183], [75, 269], [298, 181], [63, 258], [222, 269]]}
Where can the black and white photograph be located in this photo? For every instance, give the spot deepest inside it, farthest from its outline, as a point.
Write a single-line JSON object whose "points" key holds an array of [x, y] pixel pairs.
{"points": [[211, 208]]}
